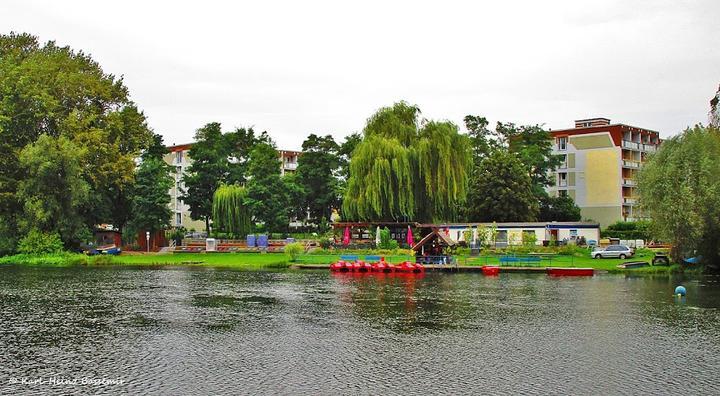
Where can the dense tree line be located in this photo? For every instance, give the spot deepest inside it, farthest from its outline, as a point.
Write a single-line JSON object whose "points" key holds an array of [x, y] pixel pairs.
{"points": [[512, 166], [77, 152], [679, 190], [69, 137]]}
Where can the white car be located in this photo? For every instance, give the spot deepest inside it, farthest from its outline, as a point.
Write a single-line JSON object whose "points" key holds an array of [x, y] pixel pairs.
{"points": [[613, 251]]}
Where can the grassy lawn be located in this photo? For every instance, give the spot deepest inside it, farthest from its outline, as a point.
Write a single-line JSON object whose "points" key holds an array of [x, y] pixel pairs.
{"points": [[278, 260], [584, 261], [235, 260]]}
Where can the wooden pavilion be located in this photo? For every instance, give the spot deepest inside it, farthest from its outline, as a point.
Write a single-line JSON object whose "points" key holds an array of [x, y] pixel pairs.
{"points": [[435, 248]]}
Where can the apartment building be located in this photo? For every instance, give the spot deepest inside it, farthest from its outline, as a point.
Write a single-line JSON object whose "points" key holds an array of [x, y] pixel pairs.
{"points": [[179, 158], [288, 161], [600, 164]]}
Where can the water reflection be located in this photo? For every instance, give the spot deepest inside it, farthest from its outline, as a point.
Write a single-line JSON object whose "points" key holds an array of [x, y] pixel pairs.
{"points": [[197, 331]]}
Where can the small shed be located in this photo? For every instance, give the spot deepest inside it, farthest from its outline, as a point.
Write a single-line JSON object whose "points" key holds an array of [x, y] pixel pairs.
{"points": [[435, 248]]}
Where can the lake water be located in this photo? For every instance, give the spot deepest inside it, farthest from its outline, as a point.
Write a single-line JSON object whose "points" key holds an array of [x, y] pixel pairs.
{"points": [[203, 331]]}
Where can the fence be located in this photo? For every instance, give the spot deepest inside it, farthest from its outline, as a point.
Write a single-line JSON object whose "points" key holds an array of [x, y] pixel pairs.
{"points": [[516, 260]]}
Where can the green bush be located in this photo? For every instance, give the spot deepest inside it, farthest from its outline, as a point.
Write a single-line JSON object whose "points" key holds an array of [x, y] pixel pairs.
{"points": [[294, 250], [629, 230], [385, 241], [529, 239], [36, 242], [573, 250], [326, 243]]}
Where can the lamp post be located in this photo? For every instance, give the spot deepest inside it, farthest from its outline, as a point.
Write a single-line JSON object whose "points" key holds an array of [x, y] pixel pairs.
{"points": [[147, 240]]}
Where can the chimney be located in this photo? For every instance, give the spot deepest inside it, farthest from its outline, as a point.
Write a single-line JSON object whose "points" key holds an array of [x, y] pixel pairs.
{"points": [[592, 122]]}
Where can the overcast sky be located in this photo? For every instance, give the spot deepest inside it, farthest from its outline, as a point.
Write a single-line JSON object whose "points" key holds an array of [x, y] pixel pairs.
{"points": [[300, 67]]}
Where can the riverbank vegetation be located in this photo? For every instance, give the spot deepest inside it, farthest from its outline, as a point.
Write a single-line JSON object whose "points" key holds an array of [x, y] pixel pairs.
{"points": [[679, 189], [279, 260], [77, 152]]}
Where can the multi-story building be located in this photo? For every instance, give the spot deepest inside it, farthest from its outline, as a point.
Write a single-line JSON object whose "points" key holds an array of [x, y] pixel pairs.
{"points": [[179, 158], [600, 164], [288, 161]]}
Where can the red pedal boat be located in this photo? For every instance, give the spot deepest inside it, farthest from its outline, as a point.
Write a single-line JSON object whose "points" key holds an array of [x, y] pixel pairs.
{"points": [[554, 271], [490, 270]]}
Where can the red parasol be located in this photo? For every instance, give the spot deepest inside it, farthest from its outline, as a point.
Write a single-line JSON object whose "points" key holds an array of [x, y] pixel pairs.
{"points": [[346, 236], [410, 239]]}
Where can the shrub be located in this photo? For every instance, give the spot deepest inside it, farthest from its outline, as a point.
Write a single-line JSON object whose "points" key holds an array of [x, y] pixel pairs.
{"points": [[529, 239], [36, 242], [326, 243], [628, 230], [385, 241], [294, 250], [573, 250]]}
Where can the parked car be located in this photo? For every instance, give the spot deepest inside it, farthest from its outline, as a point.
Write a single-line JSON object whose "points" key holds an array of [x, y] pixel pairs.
{"points": [[613, 251]]}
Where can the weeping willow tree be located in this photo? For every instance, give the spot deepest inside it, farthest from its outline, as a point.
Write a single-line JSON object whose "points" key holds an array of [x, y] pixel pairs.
{"points": [[229, 212], [405, 170]]}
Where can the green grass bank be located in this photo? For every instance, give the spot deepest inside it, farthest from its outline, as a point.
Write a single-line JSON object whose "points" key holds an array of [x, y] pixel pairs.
{"points": [[279, 261]]}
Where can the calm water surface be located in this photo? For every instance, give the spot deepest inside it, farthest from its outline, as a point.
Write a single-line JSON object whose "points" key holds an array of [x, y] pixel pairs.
{"points": [[200, 331]]}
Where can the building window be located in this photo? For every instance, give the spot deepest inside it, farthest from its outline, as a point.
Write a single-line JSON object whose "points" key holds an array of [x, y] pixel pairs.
{"points": [[502, 236], [562, 143], [562, 193], [573, 234], [564, 161], [562, 179], [178, 157], [178, 218]]}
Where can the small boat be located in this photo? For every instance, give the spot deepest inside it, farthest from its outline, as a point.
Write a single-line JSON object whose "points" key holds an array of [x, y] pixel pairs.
{"points": [[555, 271], [362, 266], [633, 264], [341, 266], [490, 270], [410, 268], [383, 266]]}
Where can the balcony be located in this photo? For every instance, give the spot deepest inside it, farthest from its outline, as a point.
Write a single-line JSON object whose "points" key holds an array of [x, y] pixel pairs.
{"points": [[629, 183], [649, 148], [630, 164], [629, 200], [626, 144], [290, 166]]}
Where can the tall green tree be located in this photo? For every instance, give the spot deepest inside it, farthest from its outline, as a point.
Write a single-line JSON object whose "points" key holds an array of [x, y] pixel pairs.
{"points": [[558, 209], [268, 199], [503, 191], [56, 91], [239, 144], [533, 146], [345, 152], [680, 190], [54, 191], [531, 143], [405, 170], [483, 141], [316, 175], [209, 169], [217, 158], [230, 210], [151, 198]]}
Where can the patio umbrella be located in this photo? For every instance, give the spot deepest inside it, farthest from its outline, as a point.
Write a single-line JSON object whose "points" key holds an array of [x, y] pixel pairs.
{"points": [[410, 239], [346, 236], [377, 236]]}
